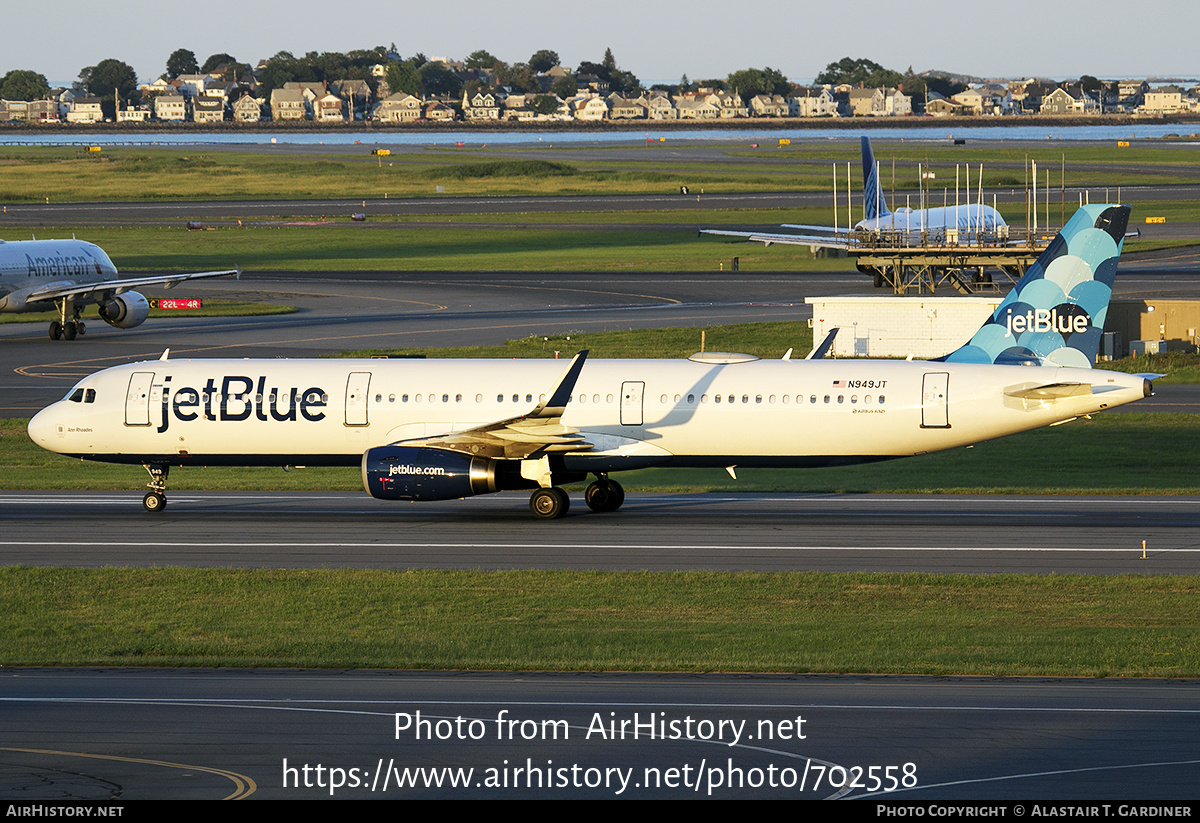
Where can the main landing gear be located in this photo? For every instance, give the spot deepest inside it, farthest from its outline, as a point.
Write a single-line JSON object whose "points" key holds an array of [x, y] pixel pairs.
{"points": [[603, 495], [68, 327], [68, 330], [156, 499]]}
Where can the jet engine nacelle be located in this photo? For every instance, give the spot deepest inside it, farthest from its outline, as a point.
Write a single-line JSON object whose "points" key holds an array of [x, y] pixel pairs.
{"points": [[424, 473], [125, 310]]}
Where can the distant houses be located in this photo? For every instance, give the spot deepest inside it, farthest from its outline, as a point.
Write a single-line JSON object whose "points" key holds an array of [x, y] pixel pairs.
{"points": [[216, 98]]}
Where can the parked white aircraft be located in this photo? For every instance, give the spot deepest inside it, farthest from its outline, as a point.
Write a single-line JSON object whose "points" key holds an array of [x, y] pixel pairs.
{"points": [[67, 275], [970, 220], [444, 429]]}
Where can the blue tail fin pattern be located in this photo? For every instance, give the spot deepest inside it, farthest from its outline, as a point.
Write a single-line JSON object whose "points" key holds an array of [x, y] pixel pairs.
{"points": [[873, 203], [1055, 315]]}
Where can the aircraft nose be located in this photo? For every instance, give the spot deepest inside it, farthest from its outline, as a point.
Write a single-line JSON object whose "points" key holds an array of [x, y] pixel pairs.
{"points": [[44, 429]]}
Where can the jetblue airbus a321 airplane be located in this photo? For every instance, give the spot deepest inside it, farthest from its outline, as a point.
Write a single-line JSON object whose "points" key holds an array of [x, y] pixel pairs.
{"points": [[67, 275], [445, 429]]}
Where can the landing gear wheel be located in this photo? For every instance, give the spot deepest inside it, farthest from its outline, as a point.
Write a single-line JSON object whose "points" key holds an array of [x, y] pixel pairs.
{"points": [[80, 328], [879, 280], [70, 330], [549, 504], [154, 502], [604, 495], [56, 330]]}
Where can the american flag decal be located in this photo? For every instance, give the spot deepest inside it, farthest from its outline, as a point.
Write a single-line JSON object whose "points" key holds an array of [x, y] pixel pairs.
{"points": [[839, 383]]}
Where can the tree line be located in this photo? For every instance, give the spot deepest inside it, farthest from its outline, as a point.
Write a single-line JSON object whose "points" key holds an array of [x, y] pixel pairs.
{"points": [[417, 75]]}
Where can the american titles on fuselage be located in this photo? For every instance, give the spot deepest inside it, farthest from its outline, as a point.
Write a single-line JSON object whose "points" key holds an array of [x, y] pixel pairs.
{"points": [[60, 265]]}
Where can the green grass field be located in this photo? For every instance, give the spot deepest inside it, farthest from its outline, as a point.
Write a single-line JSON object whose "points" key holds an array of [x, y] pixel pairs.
{"points": [[64, 174], [1128, 626], [343, 247]]}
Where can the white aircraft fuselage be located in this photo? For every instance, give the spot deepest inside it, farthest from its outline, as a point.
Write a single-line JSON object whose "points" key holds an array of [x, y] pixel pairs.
{"points": [[968, 219], [633, 413], [29, 265]]}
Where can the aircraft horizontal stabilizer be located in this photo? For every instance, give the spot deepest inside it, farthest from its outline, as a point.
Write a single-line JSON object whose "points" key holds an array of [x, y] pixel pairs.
{"points": [[1051, 391], [828, 241]]}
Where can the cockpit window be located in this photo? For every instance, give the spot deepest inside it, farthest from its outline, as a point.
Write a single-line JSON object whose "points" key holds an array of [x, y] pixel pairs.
{"points": [[76, 396], [89, 396]]}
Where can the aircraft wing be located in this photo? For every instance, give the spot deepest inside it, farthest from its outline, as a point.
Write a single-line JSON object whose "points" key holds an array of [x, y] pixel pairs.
{"points": [[54, 292], [826, 241], [539, 432]]}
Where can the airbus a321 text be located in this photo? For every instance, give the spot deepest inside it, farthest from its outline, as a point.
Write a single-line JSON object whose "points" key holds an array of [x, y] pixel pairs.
{"points": [[445, 429], [67, 275]]}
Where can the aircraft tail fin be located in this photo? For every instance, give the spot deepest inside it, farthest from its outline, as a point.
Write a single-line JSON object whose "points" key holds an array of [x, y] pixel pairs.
{"points": [[1055, 315], [873, 203]]}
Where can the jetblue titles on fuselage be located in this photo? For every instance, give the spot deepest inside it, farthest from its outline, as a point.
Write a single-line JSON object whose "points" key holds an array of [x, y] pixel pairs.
{"points": [[234, 401]]}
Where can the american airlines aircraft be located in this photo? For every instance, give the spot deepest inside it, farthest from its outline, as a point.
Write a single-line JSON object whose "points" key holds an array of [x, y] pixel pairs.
{"points": [[971, 220], [445, 429], [67, 275]]}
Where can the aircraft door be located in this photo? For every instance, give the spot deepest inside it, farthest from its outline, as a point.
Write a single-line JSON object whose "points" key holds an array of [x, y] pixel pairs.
{"points": [[357, 386], [631, 403], [934, 412], [137, 399]]}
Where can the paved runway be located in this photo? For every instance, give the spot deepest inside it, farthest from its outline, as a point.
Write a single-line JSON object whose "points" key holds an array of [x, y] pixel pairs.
{"points": [[71, 735], [724, 532]]}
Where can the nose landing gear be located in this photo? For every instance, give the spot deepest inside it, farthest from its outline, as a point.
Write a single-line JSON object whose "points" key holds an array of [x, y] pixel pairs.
{"points": [[156, 499]]}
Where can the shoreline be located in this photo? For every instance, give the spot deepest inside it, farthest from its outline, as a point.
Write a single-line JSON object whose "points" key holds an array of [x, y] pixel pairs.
{"points": [[598, 127]]}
